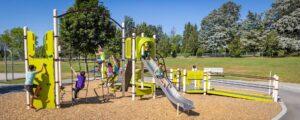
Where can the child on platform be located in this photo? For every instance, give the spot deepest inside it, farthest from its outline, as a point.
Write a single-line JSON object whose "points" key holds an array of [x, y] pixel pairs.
{"points": [[146, 51], [80, 83], [30, 75]]}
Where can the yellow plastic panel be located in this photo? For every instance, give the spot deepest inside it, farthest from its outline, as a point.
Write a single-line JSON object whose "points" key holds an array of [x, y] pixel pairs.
{"points": [[141, 42], [30, 44], [46, 81], [195, 75], [128, 48], [49, 44]]}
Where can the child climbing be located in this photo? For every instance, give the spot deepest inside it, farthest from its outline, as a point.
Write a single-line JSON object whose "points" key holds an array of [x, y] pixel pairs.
{"points": [[146, 51], [101, 57], [30, 75], [116, 65], [110, 74], [80, 83]]}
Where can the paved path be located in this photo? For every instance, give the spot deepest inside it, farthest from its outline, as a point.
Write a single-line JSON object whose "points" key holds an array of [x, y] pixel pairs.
{"points": [[289, 93], [9, 76]]}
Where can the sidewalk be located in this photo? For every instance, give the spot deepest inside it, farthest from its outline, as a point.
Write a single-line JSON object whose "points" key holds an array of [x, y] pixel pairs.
{"points": [[9, 76]]}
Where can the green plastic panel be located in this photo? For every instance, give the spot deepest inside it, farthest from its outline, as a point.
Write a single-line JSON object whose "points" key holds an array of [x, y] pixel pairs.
{"points": [[140, 41]]}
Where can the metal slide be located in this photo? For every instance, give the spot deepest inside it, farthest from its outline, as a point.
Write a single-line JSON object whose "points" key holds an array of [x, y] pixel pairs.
{"points": [[169, 90]]}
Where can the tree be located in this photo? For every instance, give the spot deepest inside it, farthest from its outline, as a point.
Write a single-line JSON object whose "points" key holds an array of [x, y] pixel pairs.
{"points": [[271, 44], [251, 32], [13, 39], [129, 25], [190, 39], [284, 17], [235, 47], [84, 31], [220, 27]]}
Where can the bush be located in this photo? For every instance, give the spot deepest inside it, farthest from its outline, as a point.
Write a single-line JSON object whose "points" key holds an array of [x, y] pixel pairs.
{"points": [[281, 53], [186, 55], [174, 54], [235, 47], [199, 52]]}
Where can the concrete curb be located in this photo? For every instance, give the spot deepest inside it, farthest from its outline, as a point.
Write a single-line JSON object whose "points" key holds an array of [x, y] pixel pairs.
{"points": [[282, 113]]}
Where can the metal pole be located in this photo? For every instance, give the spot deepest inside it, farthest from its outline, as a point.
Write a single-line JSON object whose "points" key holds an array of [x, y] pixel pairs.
{"points": [[142, 68], [153, 80], [270, 82], [26, 64], [59, 67], [123, 58], [12, 67], [133, 65], [275, 88], [184, 81], [55, 29], [5, 59]]}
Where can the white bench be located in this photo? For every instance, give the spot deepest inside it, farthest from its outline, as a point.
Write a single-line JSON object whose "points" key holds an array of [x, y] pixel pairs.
{"points": [[215, 71]]}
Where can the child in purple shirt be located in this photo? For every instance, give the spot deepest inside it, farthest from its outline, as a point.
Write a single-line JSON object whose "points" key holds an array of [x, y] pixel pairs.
{"points": [[79, 83]]}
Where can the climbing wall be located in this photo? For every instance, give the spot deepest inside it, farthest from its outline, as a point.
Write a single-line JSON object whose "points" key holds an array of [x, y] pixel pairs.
{"points": [[45, 79]]}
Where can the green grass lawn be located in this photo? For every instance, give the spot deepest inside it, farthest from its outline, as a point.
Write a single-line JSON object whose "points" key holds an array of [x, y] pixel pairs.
{"points": [[287, 68]]}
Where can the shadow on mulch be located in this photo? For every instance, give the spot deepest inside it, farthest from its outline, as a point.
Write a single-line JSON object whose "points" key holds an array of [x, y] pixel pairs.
{"points": [[189, 112], [89, 100]]}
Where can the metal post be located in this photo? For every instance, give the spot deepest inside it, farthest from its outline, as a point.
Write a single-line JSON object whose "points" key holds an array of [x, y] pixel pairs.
{"points": [[142, 75], [275, 88], [56, 66], [26, 64], [208, 81], [270, 83], [178, 79], [59, 67], [153, 80], [5, 59], [12, 67], [204, 84], [133, 65], [171, 75], [123, 58], [177, 109], [142, 68], [184, 80], [195, 81], [155, 38]]}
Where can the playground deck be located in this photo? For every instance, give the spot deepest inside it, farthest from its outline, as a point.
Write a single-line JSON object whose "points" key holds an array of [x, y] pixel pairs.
{"points": [[206, 107]]}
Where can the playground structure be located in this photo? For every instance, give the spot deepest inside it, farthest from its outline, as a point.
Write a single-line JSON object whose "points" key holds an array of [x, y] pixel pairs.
{"points": [[52, 83], [202, 82], [139, 86], [51, 78], [187, 81]]}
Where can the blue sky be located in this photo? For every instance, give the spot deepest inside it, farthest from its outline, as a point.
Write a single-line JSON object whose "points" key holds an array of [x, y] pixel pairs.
{"points": [[37, 14]]}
